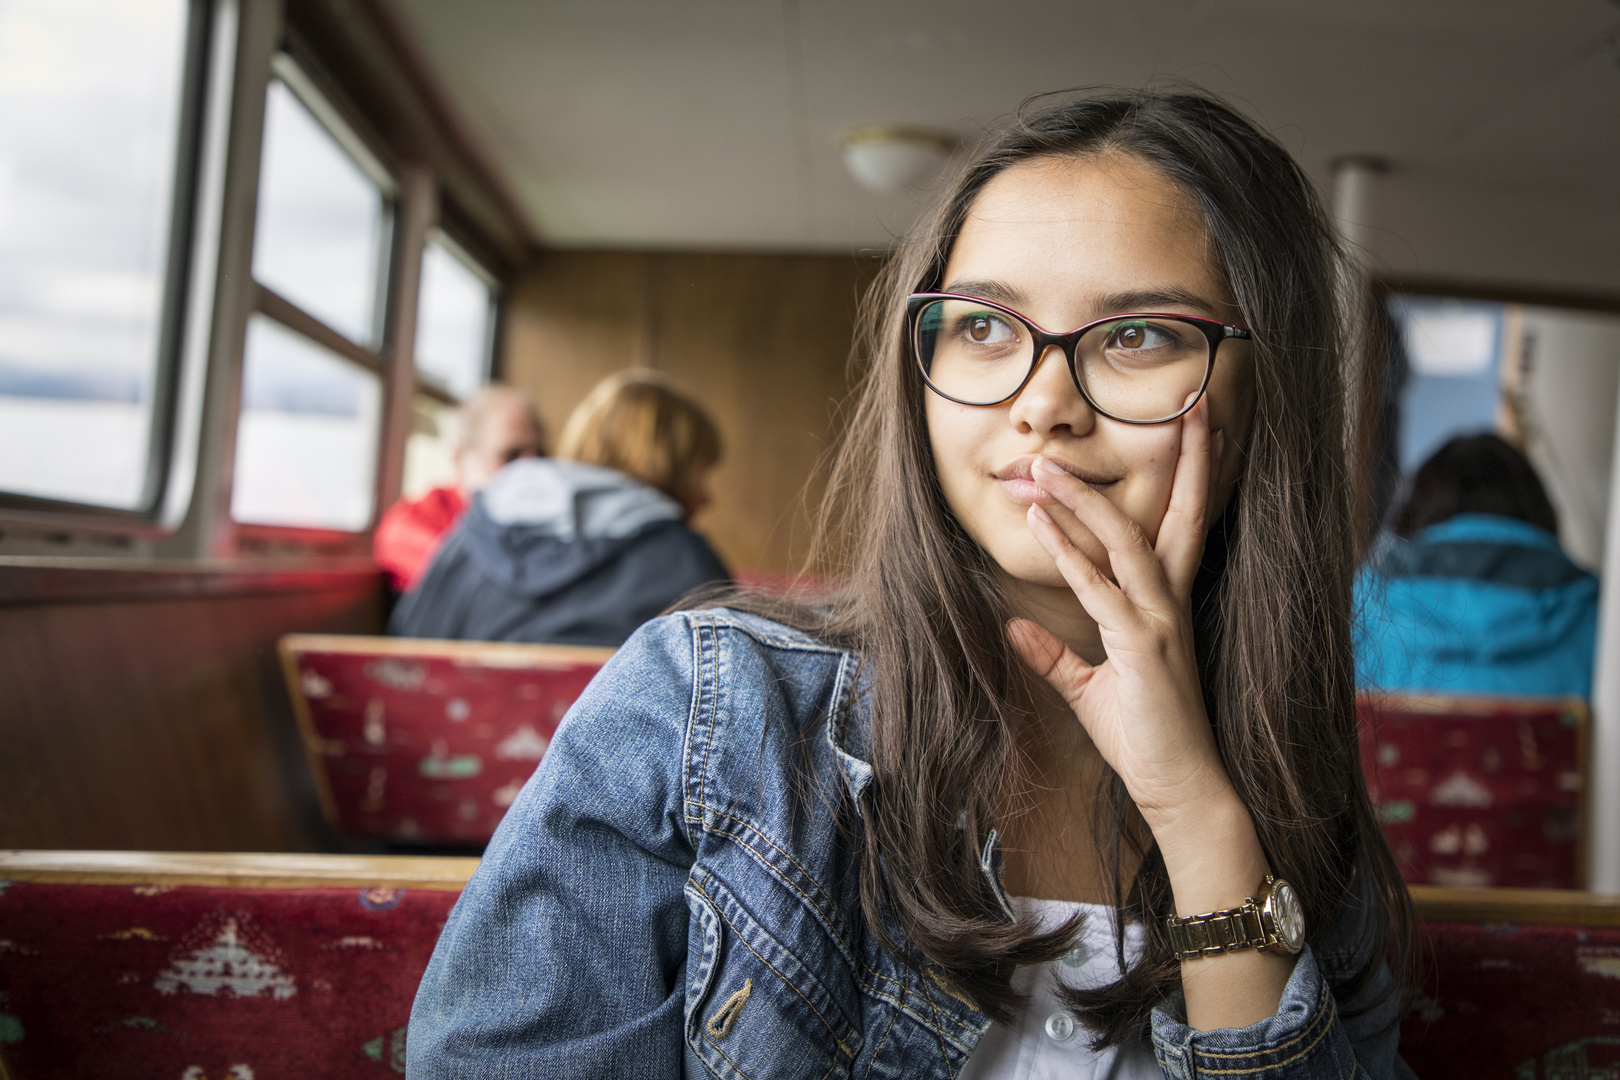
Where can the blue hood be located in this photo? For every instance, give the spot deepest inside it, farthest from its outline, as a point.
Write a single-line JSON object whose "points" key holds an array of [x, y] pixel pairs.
{"points": [[1476, 604], [543, 524]]}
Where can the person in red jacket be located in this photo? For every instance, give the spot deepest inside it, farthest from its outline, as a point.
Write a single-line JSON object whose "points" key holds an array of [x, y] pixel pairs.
{"points": [[498, 424]]}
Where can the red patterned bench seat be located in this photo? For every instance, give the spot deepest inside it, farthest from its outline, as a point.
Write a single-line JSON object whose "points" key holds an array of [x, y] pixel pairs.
{"points": [[246, 967], [1474, 792], [428, 741], [214, 967], [1521, 983]]}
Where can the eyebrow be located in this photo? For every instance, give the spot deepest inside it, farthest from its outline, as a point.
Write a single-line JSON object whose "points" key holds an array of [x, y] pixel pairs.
{"points": [[1116, 303], [996, 291], [1148, 299]]}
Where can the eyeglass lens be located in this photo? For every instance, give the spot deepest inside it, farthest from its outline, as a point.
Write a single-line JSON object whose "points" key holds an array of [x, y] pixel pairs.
{"points": [[1139, 369]]}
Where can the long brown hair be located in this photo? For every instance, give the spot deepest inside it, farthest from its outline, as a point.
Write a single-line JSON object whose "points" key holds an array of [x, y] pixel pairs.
{"points": [[1271, 606]]}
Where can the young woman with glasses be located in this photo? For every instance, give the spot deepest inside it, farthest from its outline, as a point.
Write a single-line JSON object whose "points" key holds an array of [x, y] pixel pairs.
{"points": [[1065, 781]]}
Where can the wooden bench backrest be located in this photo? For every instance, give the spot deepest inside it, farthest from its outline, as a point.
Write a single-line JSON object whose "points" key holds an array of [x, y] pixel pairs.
{"points": [[1519, 982], [1518, 979], [1475, 791], [427, 741], [219, 966]]}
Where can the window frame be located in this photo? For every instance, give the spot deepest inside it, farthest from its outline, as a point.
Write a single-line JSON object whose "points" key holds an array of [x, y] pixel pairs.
{"points": [[199, 136], [326, 104], [427, 384], [363, 68]]}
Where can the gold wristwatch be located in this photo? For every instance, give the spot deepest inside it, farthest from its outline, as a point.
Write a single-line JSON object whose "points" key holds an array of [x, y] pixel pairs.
{"points": [[1270, 919]]}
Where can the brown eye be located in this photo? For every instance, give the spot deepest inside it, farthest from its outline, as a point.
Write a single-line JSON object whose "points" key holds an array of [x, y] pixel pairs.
{"points": [[1133, 336], [979, 328]]}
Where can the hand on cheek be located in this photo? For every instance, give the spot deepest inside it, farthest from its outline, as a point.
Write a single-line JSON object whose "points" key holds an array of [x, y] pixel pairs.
{"points": [[1143, 706]]}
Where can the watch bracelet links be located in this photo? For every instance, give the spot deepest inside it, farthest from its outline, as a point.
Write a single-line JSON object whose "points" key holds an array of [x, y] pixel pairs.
{"points": [[1217, 932]]}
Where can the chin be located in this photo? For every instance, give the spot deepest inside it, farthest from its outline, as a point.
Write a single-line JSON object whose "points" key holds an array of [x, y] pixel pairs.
{"points": [[1031, 566]]}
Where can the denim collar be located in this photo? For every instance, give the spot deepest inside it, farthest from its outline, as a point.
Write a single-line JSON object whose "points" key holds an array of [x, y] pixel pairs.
{"points": [[849, 735]]}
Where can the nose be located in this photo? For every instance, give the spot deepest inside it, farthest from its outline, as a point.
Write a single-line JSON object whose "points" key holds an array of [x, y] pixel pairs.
{"points": [[1050, 403]]}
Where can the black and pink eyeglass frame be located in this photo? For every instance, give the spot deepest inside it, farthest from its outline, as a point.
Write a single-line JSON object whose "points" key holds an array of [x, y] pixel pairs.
{"points": [[1214, 332]]}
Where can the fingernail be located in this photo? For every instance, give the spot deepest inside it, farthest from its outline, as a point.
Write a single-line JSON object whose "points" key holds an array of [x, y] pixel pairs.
{"points": [[1040, 511], [1046, 466]]}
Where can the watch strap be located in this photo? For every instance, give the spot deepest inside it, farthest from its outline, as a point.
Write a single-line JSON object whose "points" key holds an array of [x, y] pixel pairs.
{"points": [[1217, 932]]}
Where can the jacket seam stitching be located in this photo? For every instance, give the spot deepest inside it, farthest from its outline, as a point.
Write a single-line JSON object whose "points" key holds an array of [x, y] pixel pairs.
{"points": [[841, 1040], [798, 643], [737, 1068], [774, 846], [692, 721], [937, 1030], [870, 986], [882, 1042], [899, 1004], [708, 688], [1327, 1014]]}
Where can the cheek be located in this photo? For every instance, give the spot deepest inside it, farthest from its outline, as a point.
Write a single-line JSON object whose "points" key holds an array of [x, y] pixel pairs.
{"points": [[1150, 454], [956, 434]]}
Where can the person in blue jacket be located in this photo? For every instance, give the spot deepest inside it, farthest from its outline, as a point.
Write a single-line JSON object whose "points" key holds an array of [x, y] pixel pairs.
{"points": [[1474, 595], [583, 548]]}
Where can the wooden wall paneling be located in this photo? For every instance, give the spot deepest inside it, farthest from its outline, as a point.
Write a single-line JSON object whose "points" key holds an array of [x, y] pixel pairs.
{"points": [[573, 319], [764, 340], [157, 723]]}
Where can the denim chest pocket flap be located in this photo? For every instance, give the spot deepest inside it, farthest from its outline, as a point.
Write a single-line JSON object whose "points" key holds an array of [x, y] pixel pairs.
{"points": [[753, 1008]]}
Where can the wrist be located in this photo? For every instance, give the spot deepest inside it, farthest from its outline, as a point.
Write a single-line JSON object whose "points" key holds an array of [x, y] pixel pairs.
{"points": [[1212, 856]]}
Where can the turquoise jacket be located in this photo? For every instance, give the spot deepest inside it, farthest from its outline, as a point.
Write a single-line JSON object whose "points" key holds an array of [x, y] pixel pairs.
{"points": [[1477, 604]]}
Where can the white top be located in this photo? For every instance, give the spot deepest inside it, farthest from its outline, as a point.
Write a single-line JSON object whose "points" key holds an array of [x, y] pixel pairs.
{"points": [[1047, 1042]]}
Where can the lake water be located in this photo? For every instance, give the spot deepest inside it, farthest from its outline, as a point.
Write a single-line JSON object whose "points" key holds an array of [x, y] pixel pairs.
{"points": [[85, 451], [291, 468]]}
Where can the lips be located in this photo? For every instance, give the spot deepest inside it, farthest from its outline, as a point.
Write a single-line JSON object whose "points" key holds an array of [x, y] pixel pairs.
{"points": [[1018, 484]]}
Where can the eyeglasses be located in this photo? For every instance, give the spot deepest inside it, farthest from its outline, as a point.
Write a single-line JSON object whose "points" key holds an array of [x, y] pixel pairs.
{"points": [[1137, 368]]}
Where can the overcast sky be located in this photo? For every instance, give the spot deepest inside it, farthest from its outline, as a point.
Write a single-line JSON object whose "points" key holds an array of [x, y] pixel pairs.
{"points": [[89, 102]]}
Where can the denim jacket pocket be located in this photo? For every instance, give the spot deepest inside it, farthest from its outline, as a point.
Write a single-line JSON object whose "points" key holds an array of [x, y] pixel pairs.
{"points": [[753, 1010]]}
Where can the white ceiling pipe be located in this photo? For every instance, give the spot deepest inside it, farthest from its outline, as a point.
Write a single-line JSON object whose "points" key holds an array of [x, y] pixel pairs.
{"points": [[1353, 178]]}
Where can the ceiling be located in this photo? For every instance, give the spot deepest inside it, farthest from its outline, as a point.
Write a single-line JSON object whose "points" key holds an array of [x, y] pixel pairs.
{"points": [[716, 124]]}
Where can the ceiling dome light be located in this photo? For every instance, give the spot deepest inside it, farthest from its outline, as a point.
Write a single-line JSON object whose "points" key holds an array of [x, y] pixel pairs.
{"points": [[885, 160]]}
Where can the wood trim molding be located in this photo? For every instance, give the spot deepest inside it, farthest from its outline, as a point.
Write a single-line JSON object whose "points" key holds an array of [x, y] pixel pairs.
{"points": [[1485, 703], [486, 653], [1578, 300], [236, 870], [45, 580], [231, 870], [1560, 907]]}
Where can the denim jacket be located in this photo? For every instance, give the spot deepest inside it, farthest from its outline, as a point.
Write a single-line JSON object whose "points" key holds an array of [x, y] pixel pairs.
{"points": [[671, 895]]}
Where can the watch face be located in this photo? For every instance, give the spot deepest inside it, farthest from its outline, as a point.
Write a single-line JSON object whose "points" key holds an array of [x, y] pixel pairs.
{"points": [[1289, 916]]}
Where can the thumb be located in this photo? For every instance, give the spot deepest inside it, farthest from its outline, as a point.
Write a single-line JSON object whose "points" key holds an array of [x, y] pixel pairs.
{"points": [[1049, 658]]}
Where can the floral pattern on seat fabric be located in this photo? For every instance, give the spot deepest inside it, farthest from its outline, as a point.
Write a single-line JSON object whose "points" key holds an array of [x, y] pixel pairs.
{"points": [[1530, 1002], [191, 982], [1474, 793], [429, 748]]}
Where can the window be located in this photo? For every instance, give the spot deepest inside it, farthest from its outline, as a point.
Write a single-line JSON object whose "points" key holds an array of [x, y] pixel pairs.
{"points": [[306, 445], [1452, 352], [1545, 378], [322, 218], [454, 320], [91, 100], [455, 332], [309, 432]]}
